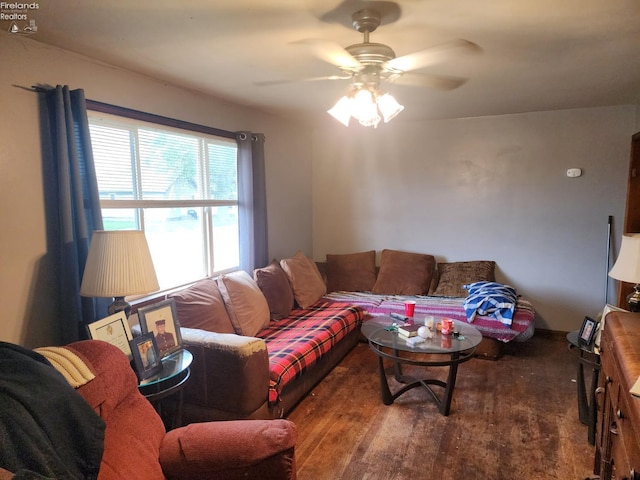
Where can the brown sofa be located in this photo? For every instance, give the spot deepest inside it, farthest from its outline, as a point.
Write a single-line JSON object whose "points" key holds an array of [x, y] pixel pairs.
{"points": [[240, 328], [259, 343], [60, 435]]}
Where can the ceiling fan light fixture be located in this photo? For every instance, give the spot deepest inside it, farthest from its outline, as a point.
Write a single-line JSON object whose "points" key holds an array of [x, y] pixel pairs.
{"points": [[364, 108], [366, 105], [389, 107], [341, 111]]}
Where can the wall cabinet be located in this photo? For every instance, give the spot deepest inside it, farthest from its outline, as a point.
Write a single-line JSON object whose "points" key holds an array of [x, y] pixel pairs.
{"points": [[617, 453]]}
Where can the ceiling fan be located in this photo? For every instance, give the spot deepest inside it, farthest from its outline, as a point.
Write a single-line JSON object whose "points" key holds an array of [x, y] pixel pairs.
{"points": [[369, 62]]}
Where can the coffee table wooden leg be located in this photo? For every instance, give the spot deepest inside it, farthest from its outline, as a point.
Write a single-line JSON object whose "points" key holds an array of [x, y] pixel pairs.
{"points": [[385, 393]]}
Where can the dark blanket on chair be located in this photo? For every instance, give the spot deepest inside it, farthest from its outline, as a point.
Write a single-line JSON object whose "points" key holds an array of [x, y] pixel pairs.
{"points": [[47, 430]]}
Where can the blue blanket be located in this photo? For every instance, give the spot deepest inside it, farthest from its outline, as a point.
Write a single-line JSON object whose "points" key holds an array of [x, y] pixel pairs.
{"points": [[491, 299]]}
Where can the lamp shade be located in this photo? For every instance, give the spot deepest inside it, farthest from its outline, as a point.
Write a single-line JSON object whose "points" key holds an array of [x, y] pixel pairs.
{"points": [[364, 108], [341, 111], [366, 104], [118, 264], [627, 266], [389, 107]]}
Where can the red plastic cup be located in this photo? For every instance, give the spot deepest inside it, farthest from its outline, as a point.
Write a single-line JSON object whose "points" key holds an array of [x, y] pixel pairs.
{"points": [[409, 308]]}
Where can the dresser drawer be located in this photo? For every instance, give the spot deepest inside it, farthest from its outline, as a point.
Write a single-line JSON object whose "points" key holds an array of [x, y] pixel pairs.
{"points": [[627, 437], [611, 379], [618, 440]]}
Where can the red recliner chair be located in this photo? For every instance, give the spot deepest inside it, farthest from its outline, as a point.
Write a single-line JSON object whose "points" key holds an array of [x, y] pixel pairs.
{"points": [[136, 445]]}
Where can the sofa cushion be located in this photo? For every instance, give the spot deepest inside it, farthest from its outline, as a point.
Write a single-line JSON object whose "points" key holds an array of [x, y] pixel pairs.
{"points": [[201, 306], [404, 273], [354, 272], [300, 341], [305, 279], [245, 303], [434, 282], [453, 276], [276, 289]]}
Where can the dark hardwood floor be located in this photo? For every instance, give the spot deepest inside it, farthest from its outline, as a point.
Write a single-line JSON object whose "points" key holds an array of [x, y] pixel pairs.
{"points": [[514, 418]]}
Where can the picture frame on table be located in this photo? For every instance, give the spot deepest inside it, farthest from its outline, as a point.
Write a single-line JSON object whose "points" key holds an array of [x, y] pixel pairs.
{"points": [[146, 357], [113, 329], [587, 331], [161, 319]]}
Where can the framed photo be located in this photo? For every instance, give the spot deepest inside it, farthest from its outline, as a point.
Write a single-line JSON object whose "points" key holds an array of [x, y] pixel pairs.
{"points": [[587, 332], [113, 329], [146, 357], [161, 319]]}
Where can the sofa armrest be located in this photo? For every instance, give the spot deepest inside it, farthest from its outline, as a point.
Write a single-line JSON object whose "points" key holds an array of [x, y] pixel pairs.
{"points": [[229, 372], [202, 450]]}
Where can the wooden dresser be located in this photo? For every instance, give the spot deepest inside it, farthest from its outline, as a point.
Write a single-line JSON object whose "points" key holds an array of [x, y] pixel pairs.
{"points": [[617, 454]]}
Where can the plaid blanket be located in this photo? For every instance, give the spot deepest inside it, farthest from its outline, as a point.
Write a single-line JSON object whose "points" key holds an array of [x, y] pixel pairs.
{"points": [[300, 340], [521, 328]]}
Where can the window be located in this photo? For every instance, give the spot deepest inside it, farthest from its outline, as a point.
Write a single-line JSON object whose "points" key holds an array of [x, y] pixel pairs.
{"points": [[179, 186]]}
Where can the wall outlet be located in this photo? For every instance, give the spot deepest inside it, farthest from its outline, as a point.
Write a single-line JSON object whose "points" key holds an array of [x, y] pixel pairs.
{"points": [[574, 172]]}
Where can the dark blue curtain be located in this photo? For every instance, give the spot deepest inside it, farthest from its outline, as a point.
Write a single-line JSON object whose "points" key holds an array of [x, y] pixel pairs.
{"points": [[71, 190], [252, 194]]}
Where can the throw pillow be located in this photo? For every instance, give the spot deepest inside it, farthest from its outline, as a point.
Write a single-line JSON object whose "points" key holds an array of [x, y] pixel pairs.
{"points": [[305, 279], [355, 272], [404, 273], [453, 276], [245, 303], [434, 282], [276, 289], [201, 306]]}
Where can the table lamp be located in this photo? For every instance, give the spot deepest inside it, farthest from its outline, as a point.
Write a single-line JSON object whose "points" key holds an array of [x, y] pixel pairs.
{"points": [[118, 264], [627, 268]]}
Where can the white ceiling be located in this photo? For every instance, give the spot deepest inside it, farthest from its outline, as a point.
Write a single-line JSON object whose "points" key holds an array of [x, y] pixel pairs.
{"points": [[536, 54]]}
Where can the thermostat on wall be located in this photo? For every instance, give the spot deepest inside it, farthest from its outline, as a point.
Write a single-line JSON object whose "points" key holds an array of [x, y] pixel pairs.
{"points": [[574, 172]]}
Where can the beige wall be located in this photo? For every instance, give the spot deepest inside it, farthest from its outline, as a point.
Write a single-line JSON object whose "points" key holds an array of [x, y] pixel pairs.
{"points": [[27, 280], [485, 188], [492, 187]]}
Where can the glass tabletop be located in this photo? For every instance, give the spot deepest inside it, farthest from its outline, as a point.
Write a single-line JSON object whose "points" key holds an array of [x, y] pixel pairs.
{"points": [[378, 332], [172, 365]]}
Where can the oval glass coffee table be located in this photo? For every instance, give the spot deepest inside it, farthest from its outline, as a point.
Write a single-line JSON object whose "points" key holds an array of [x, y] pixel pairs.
{"points": [[439, 351]]}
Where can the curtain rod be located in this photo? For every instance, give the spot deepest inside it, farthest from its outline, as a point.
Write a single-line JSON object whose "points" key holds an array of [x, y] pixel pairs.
{"points": [[137, 114], [33, 88], [153, 118]]}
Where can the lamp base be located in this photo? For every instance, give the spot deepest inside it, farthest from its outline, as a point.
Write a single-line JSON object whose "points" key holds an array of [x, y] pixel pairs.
{"points": [[633, 299], [120, 304]]}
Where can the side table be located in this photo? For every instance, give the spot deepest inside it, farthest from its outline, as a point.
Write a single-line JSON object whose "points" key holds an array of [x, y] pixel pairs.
{"points": [[170, 380], [588, 356]]}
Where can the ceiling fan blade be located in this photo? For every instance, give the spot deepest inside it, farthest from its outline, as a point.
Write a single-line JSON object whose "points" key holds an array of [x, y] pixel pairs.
{"points": [[310, 79], [430, 56], [332, 53], [440, 82]]}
